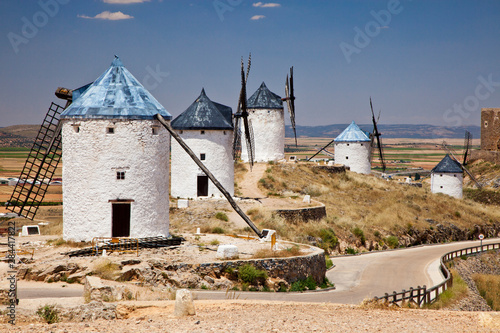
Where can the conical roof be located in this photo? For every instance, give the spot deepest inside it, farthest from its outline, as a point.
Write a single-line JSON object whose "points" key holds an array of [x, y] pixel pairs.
{"points": [[263, 98], [204, 114], [116, 94], [353, 134], [447, 165]]}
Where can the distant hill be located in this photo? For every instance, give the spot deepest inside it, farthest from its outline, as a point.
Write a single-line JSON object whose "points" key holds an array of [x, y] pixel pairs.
{"points": [[18, 135], [24, 135], [389, 131]]}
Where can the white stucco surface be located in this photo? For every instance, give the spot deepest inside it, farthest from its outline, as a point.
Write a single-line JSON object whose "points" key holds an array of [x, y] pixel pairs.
{"points": [[355, 155], [269, 135], [218, 150], [91, 159], [447, 183]]}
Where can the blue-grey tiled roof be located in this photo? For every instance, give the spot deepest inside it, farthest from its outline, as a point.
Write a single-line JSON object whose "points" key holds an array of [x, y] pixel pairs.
{"points": [[447, 165], [263, 98], [353, 134], [116, 94], [204, 114]]}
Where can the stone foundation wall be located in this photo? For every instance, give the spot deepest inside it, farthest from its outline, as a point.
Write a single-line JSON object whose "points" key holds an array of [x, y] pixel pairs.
{"points": [[288, 269], [489, 156], [302, 214], [332, 168]]}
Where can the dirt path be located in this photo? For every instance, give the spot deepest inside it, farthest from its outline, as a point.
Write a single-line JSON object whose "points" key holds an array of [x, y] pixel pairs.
{"points": [[248, 186]]}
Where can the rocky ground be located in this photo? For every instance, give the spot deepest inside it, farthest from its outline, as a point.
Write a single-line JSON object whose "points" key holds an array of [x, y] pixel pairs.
{"points": [[483, 264], [262, 316]]}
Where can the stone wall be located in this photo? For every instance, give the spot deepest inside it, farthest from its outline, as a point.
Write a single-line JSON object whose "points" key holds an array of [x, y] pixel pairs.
{"points": [[485, 155], [288, 269], [490, 129], [331, 168], [302, 214]]}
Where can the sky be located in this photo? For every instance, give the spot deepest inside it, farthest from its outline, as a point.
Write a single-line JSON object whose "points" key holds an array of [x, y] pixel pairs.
{"points": [[421, 61]]}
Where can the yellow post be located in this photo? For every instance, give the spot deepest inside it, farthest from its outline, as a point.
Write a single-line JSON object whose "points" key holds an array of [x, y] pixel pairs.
{"points": [[273, 241]]}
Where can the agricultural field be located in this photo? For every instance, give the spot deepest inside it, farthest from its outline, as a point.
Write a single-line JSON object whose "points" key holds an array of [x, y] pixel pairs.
{"points": [[399, 154]]}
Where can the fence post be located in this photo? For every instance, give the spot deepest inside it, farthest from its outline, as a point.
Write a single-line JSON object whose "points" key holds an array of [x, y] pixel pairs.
{"points": [[394, 297], [411, 294]]}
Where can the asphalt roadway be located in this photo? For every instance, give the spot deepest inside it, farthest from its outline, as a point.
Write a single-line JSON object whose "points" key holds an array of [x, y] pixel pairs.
{"points": [[355, 277]]}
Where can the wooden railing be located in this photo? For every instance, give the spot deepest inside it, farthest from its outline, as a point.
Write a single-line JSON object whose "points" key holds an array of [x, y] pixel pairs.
{"points": [[421, 295]]}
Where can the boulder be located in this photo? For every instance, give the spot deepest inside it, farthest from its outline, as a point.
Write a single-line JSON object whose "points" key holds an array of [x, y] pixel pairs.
{"points": [[227, 252], [184, 305]]}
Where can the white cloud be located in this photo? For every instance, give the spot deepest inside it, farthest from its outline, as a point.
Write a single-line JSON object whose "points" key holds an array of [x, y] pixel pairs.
{"points": [[266, 5], [257, 17], [107, 15], [124, 2]]}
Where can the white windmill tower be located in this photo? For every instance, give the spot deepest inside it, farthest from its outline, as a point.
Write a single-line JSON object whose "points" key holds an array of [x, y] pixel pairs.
{"points": [[206, 127], [115, 158], [447, 177], [266, 116], [353, 148]]}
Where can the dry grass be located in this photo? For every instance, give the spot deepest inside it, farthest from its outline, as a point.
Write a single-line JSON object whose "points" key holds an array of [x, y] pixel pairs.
{"points": [[458, 291], [489, 289], [365, 203], [105, 269], [268, 253]]}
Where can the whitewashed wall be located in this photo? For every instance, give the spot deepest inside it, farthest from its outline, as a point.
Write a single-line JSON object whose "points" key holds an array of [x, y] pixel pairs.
{"points": [[91, 159], [218, 150], [447, 183], [355, 155], [269, 135]]}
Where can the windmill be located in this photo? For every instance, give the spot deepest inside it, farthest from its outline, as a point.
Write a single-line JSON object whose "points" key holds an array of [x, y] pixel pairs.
{"points": [[45, 154], [290, 102], [453, 154], [467, 146], [242, 113], [376, 134]]}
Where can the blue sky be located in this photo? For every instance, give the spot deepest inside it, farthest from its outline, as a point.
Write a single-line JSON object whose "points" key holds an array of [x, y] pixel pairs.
{"points": [[423, 62]]}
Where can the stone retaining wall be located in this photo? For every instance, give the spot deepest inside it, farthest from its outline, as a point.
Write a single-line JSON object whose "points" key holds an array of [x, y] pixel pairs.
{"points": [[289, 269], [302, 214]]}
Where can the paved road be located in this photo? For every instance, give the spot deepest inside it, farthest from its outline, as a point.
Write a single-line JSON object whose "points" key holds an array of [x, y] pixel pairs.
{"points": [[355, 277], [371, 274]]}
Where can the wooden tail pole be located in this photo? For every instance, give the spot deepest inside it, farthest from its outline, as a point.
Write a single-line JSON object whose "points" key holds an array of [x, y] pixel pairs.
{"points": [[208, 173]]}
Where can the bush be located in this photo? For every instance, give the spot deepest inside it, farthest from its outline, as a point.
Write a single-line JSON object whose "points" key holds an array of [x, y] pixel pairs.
{"points": [[360, 234], [329, 263], [49, 313], [328, 239], [350, 250], [214, 242], [301, 285], [392, 242], [105, 269], [252, 275], [217, 230], [221, 216]]}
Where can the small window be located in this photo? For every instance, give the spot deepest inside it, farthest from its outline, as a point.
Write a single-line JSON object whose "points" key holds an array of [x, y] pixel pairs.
{"points": [[120, 175], [202, 156], [347, 145], [486, 124], [154, 130], [347, 157], [76, 128], [224, 132], [110, 130], [441, 186], [202, 132], [361, 144], [180, 132], [441, 175]]}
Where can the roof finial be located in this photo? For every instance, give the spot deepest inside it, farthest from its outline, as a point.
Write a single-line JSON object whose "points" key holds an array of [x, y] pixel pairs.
{"points": [[117, 61]]}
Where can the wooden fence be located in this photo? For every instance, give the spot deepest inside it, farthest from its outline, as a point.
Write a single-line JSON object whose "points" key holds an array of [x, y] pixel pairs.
{"points": [[421, 295]]}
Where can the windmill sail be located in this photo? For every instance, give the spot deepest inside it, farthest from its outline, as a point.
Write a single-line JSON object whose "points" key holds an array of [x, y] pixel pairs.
{"points": [[290, 102], [467, 145], [377, 135], [39, 167]]}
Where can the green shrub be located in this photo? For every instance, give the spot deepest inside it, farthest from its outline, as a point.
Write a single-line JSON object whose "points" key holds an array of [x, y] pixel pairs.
{"points": [[326, 284], [329, 263], [360, 234], [214, 242], [392, 242], [49, 313], [328, 239], [217, 230], [252, 275], [221, 216], [350, 250]]}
